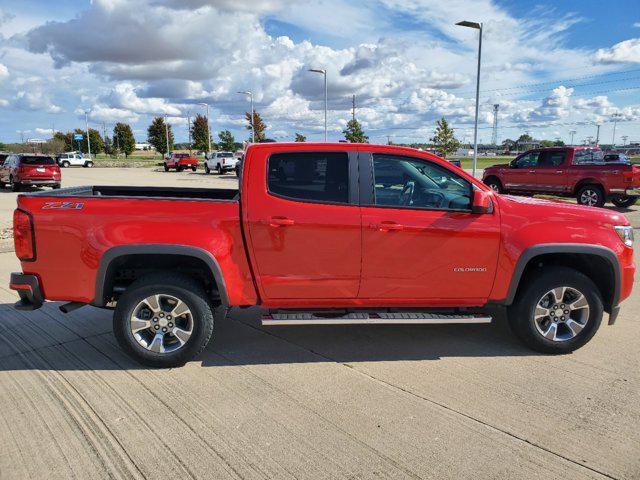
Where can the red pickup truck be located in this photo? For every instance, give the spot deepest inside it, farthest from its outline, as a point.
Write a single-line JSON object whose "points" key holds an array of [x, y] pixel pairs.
{"points": [[579, 172], [180, 161], [323, 234]]}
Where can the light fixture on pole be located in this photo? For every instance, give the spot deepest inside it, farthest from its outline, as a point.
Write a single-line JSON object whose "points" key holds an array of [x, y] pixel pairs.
{"points": [[208, 127], [477, 26], [253, 115], [324, 73], [86, 120]]}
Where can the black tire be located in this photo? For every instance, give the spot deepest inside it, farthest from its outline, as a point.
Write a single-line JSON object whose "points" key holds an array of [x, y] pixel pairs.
{"points": [[219, 169], [194, 169], [591, 196], [494, 184], [65, 164], [521, 313], [178, 169], [624, 202], [56, 186], [188, 291], [206, 169], [166, 167], [88, 165], [14, 186]]}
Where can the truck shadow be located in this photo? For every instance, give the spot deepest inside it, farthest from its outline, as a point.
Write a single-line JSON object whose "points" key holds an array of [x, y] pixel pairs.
{"points": [[47, 339]]}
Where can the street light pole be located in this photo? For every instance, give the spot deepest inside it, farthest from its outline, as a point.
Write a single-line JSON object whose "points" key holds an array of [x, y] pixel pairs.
{"points": [[208, 128], [324, 73], [477, 26], [86, 120], [572, 132], [166, 133], [253, 115], [616, 116]]}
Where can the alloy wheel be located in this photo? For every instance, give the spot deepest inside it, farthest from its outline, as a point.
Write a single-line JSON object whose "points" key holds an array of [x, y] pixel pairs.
{"points": [[561, 314], [589, 197], [161, 323]]}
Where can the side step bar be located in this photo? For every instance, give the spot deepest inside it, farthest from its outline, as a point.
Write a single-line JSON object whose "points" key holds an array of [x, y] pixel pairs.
{"points": [[382, 318]]}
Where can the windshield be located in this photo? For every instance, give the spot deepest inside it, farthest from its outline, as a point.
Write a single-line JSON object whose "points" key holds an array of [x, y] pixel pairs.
{"points": [[37, 161], [182, 155], [225, 154]]}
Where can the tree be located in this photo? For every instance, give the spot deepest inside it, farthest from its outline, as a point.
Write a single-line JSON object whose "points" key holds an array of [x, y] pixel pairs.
{"points": [[300, 137], [354, 133], [156, 135], [97, 144], [123, 138], [524, 138], [509, 144], [444, 139], [200, 133], [546, 143], [227, 142], [66, 139], [258, 124], [2, 146]]}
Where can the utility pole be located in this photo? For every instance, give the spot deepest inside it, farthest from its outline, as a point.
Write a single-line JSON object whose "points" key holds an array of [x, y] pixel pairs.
{"points": [[572, 132], [598, 135], [353, 108], [615, 116], [324, 73], [624, 140], [86, 119], [189, 129], [166, 132], [494, 135]]}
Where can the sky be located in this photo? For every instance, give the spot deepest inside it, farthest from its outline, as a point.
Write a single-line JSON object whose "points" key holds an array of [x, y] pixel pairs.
{"points": [[553, 67]]}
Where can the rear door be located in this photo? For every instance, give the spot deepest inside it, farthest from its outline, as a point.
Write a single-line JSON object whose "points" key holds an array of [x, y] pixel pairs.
{"points": [[550, 172], [304, 224]]}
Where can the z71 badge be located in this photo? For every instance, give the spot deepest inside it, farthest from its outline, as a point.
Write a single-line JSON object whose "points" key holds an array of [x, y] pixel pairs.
{"points": [[63, 206]]}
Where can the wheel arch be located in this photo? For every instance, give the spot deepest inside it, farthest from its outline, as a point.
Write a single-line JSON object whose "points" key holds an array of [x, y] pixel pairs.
{"points": [[588, 181], [599, 263], [170, 254]]}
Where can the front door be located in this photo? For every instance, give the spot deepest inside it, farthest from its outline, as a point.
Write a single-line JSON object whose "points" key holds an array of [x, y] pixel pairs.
{"points": [[520, 176], [421, 242], [305, 226]]}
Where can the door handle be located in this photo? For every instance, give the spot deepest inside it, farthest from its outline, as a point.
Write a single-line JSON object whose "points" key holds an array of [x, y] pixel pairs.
{"points": [[280, 222], [559, 171], [532, 171], [386, 226]]}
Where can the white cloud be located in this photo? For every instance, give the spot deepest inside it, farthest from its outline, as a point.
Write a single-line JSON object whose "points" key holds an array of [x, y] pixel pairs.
{"points": [[4, 72], [627, 51]]}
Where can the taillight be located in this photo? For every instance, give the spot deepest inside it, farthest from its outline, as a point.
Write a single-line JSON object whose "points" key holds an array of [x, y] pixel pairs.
{"points": [[23, 238]]}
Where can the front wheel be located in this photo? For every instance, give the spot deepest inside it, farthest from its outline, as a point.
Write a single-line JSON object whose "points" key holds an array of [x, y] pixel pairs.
{"points": [[163, 320], [591, 196], [166, 167], [494, 184], [179, 169], [88, 165], [15, 186], [219, 169], [206, 169], [624, 202], [559, 310], [193, 169], [66, 164]]}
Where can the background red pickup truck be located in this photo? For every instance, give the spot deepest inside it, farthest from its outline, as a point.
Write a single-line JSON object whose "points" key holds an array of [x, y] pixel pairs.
{"points": [[323, 233], [579, 172], [180, 161]]}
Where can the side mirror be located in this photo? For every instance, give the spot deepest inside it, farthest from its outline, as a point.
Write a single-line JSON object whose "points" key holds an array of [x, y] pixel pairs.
{"points": [[481, 202]]}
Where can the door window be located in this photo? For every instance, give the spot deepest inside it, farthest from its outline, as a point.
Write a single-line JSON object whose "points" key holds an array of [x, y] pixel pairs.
{"points": [[411, 182], [528, 160], [310, 176]]}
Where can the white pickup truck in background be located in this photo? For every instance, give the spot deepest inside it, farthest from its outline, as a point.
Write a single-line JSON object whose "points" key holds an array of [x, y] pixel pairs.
{"points": [[220, 162]]}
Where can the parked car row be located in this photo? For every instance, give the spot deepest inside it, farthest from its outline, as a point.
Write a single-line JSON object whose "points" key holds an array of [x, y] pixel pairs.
{"points": [[580, 172]]}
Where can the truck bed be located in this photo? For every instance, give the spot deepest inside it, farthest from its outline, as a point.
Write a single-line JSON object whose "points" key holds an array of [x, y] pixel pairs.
{"points": [[221, 194]]}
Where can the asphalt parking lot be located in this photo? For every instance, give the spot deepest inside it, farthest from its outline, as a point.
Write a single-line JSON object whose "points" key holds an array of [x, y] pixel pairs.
{"points": [[315, 402]]}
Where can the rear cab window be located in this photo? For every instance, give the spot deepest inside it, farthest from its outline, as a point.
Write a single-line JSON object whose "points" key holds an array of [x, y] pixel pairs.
{"points": [[317, 177]]}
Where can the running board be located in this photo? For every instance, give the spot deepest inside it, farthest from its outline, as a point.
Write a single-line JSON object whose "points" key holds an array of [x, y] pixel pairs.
{"points": [[382, 318]]}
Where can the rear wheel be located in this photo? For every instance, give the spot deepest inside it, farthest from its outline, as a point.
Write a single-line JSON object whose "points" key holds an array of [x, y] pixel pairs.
{"points": [[219, 169], [88, 164], [166, 167], [624, 202], [56, 186], [66, 164], [194, 169], [559, 311], [591, 196], [494, 184], [164, 320], [206, 169]]}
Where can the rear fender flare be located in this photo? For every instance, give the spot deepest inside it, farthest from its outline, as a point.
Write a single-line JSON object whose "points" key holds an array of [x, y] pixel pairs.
{"points": [[156, 249]]}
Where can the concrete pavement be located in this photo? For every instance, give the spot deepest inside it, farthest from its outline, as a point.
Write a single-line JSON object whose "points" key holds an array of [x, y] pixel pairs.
{"points": [[313, 402]]}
